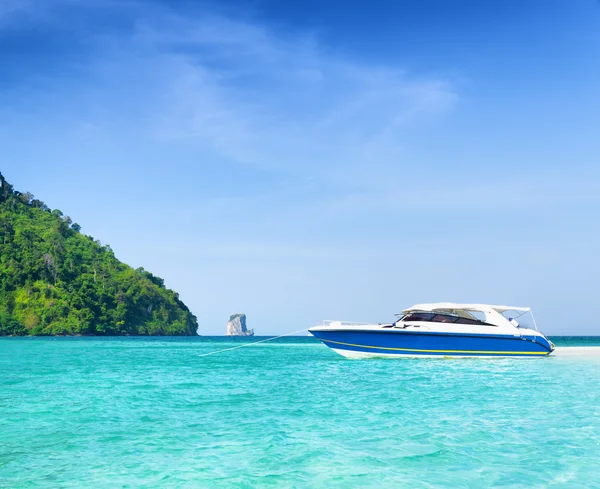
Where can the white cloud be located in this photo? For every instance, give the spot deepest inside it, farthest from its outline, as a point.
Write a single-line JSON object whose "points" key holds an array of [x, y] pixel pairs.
{"points": [[231, 86], [9, 9], [287, 104]]}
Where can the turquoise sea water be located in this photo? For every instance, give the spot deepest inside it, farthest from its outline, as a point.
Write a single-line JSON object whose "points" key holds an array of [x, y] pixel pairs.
{"points": [[151, 412]]}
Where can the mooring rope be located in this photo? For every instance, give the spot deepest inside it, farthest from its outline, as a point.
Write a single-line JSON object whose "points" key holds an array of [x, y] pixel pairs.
{"points": [[250, 344]]}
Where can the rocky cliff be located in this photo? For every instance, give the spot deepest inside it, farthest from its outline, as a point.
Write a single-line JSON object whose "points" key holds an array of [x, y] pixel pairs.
{"points": [[237, 326]]}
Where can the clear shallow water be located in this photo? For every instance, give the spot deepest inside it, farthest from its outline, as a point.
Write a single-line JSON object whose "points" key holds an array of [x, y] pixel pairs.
{"points": [[576, 340], [140, 412]]}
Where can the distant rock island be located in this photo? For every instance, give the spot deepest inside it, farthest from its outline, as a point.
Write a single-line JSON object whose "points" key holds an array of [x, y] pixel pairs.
{"points": [[237, 326]]}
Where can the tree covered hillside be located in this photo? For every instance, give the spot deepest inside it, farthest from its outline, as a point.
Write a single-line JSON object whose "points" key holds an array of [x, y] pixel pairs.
{"points": [[56, 281]]}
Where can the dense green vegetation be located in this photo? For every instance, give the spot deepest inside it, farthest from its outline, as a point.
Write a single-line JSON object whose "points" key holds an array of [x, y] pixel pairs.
{"points": [[56, 281]]}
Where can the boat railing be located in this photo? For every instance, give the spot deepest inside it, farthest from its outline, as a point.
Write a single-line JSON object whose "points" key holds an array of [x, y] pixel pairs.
{"points": [[336, 323]]}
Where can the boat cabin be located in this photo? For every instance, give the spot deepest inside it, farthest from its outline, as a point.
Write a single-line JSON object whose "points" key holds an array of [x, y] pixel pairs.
{"points": [[467, 314]]}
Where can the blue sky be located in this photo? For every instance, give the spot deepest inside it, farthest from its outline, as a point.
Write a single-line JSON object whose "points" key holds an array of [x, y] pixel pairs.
{"points": [[313, 160]]}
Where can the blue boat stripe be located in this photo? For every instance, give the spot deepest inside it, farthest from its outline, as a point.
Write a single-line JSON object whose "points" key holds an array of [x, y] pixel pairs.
{"points": [[485, 352]]}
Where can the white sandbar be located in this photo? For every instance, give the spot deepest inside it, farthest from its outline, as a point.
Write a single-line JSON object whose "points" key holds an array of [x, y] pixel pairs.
{"points": [[577, 351]]}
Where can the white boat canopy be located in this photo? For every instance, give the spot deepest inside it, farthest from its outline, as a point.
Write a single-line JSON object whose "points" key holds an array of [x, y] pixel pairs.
{"points": [[451, 306], [493, 314]]}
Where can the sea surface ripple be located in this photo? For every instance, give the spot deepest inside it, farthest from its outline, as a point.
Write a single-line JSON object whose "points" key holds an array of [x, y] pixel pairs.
{"points": [[153, 413]]}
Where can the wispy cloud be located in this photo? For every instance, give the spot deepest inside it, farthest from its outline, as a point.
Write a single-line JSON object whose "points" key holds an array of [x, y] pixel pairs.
{"points": [[10, 10], [230, 85], [275, 102], [230, 89]]}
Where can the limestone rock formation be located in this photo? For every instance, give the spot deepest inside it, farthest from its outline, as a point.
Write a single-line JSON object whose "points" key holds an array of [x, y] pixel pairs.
{"points": [[237, 326]]}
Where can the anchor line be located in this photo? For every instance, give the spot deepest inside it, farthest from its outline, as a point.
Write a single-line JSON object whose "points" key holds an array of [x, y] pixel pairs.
{"points": [[250, 344]]}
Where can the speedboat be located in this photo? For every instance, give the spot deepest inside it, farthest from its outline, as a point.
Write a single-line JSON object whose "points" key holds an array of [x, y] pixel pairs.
{"points": [[441, 329]]}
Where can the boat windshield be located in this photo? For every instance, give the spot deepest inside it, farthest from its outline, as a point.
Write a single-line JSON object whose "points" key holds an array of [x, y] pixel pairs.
{"points": [[442, 318], [523, 319]]}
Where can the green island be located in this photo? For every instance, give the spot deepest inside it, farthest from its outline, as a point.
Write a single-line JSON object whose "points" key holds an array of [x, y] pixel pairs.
{"points": [[54, 280]]}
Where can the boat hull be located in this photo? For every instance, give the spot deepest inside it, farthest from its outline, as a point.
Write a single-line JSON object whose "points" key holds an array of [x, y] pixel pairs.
{"points": [[401, 343]]}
